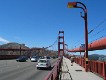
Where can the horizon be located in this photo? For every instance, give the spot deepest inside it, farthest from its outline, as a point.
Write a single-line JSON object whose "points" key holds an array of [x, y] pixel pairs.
{"points": [[36, 23]]}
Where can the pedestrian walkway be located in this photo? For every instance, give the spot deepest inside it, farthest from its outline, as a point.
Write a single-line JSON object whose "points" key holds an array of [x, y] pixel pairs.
{"points": [[76, 72]]}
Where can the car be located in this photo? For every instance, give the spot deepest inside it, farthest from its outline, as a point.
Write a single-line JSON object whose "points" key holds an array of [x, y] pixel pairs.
{"points": [[46, 57], [34, 59], [42, 57], [43, 63], [21, 59], [53, 57]]}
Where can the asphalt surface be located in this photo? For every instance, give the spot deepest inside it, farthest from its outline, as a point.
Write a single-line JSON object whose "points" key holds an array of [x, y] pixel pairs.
{"points": [[12, 70]]}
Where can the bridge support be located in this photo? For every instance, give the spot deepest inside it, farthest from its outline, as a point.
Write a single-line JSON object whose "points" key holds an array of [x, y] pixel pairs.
{"points": [[61, 44]]}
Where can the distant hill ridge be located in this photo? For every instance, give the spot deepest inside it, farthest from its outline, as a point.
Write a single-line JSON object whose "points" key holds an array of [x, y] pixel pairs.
{"points": [[13, 45], [97, 57]]}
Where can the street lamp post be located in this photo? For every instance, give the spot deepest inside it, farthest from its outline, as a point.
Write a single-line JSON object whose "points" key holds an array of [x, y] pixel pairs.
{"points": [[75, 5], [20, 49]]}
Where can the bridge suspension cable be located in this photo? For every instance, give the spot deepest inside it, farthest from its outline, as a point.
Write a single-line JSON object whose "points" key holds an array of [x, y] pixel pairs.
{"points": [[97, 26], [52, 44], [98, 32], [52, 49], [92, 30], [98, 38]]}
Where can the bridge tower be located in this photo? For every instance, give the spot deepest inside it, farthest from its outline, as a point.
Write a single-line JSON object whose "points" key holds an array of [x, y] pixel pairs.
{"points": [[61, 43]]}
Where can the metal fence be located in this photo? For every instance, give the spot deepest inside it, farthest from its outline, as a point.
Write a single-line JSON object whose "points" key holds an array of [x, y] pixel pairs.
{"points": [[54, 74], [97, 67]]}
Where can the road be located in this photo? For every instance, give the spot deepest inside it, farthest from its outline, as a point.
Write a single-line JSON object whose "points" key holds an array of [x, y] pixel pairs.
{"points": [[12, 70]]}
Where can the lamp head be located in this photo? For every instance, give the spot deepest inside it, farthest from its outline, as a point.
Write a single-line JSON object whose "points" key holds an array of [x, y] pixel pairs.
{"points": [[72, 4]]}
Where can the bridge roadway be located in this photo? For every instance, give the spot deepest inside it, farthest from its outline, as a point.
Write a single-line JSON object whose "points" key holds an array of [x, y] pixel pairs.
{"points": [[12, 70]]}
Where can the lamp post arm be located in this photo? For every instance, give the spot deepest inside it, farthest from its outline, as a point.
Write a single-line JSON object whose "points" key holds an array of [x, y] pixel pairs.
{"points": [[82, 4], [82, 8]]}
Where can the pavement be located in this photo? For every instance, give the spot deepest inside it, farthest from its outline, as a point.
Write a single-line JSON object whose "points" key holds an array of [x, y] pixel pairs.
{"points": [[76, 72], [13, 70]]}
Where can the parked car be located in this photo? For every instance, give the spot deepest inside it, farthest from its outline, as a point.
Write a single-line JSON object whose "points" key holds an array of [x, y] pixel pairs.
{"points": [[21, 59], [43, 63], [34, 59]]}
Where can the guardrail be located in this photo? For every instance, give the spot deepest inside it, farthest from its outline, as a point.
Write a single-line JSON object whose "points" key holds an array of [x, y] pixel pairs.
{"points": [[80, 61], [97, 67], [54, 74]]}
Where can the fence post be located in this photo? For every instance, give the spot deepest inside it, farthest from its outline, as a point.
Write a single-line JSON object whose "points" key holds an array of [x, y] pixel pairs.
{"points": [[52, 77], [59, 69], [58, 72], [104, 70]]}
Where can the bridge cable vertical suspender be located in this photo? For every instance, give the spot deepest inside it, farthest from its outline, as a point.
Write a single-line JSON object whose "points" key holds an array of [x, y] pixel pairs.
{"points": [[61, 44]]}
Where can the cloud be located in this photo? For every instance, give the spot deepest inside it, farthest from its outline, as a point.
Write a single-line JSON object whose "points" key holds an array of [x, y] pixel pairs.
{"points": [[4, 40]]}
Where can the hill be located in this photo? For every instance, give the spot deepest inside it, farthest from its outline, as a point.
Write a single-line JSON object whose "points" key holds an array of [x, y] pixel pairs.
{"points": [[13, 46], [97, 57], [35, 52]]}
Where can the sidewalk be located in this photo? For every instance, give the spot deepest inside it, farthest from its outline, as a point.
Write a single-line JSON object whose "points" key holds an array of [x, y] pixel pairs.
{"points": [[76, 72]]}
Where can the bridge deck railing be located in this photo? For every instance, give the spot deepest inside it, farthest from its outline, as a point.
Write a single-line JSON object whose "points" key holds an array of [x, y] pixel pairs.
{"points": [[80, 61], [97, 67], [54, 74]]}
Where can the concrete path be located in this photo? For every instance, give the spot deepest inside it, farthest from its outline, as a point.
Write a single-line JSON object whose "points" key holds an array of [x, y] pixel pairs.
{"points": [[76, 72]]}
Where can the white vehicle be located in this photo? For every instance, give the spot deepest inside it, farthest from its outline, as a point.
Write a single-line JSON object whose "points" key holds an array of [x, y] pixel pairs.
{"points": [[34, 59], [47, 57], [43, 63]]}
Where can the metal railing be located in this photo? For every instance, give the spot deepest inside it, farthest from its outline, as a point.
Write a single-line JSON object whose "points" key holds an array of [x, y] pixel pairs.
{"points": [[54, 74], [80, 61], [97, 67]]}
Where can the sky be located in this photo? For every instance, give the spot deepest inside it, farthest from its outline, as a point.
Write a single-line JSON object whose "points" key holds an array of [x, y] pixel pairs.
{"points": [[36, 23]]}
